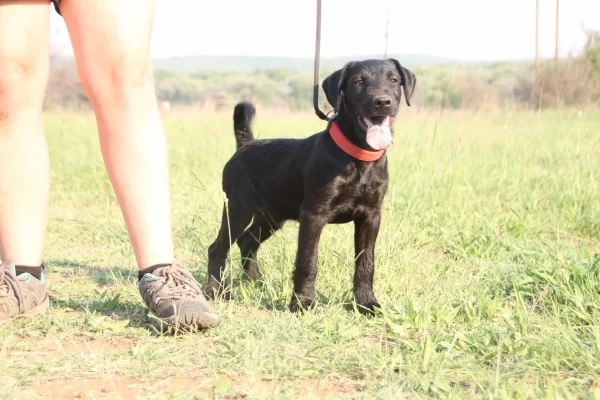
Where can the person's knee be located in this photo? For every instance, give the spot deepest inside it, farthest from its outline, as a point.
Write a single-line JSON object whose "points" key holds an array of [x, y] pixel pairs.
{"points": [[22, 83], [131, 70], [123, 77]]}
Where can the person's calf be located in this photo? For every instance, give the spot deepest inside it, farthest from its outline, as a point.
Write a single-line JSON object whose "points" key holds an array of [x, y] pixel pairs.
{"points": [[134, 150], [24, 68]]}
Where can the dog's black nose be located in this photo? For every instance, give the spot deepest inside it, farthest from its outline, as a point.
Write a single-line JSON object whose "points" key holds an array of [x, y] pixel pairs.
{"points": [[382, 101]]}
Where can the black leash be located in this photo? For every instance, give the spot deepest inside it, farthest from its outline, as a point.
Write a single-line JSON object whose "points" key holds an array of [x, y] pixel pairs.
{"points": [[319, 113]]}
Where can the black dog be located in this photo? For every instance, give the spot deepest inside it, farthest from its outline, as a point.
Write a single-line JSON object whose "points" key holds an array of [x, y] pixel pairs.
{"points": [[329, 177]]}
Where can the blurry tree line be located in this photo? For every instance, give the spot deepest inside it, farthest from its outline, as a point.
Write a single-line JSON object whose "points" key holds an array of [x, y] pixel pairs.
{"points": [[573, 82]]}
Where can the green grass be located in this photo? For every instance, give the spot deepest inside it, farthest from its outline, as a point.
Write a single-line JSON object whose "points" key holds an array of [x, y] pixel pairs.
{"points": [[487, 267]]}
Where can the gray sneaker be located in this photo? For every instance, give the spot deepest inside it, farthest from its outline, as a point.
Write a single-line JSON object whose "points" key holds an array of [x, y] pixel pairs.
{"points": [[176, 300], [21, 296]]}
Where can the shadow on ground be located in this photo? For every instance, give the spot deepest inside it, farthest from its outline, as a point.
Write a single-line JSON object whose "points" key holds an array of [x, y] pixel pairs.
{"points": [[103, 298]]}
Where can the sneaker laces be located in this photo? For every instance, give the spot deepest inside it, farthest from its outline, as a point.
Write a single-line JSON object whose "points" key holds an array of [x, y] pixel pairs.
{"points": [[179, 283], [7, 281]]}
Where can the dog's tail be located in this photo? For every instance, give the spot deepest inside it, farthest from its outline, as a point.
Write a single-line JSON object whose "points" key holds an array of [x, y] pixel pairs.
{"points": [[242, 120]]}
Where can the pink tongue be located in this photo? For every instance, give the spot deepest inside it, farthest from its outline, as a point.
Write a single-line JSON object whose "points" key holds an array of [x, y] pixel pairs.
{"points": [[379, 137]]}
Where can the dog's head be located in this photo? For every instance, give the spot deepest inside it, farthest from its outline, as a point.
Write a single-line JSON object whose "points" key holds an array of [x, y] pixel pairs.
{"points": [[369, 92]]}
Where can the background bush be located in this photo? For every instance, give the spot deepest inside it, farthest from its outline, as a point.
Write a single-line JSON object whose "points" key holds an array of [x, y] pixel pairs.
{"points": [[573, 82]]}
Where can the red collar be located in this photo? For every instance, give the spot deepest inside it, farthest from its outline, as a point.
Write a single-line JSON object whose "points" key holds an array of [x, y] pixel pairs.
{"points": [[350, 148]]}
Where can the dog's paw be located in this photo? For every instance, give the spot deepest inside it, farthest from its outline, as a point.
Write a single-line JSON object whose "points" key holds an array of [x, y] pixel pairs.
{"points": [[304, 304], [251, 272], [218, 292], [368, 308]]}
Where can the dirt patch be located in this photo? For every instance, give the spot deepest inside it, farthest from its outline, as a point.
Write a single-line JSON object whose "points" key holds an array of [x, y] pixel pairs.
{"points": [[110, 387], [186, 383], [34, 349], [220, 387], [575, 241], [326, 388], [436, 255]]}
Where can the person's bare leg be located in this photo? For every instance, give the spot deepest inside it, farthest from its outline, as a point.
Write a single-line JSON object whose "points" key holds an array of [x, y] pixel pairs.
{"points": [[24, 165], [111, 43], [111, 40]]}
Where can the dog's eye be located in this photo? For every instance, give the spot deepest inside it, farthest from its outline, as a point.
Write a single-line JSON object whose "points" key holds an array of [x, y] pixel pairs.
{"points": [[393, 80], [358, 82]]}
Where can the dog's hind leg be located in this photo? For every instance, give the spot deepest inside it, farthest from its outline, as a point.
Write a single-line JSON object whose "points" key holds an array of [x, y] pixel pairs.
{"points": [[262, 228], [234, 220]]}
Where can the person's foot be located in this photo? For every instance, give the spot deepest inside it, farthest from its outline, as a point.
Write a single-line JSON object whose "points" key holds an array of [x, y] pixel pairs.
{"points": [[21, 296], [175, 300]]}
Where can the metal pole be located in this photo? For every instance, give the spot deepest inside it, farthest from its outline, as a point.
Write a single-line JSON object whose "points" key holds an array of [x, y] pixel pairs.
{"points": [[556, 38], [387, 34], [537, 24], [319, 113]]}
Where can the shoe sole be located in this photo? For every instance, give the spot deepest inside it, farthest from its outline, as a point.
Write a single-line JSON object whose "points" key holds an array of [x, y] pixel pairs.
{"points": [[178, 323], [41, 309]]}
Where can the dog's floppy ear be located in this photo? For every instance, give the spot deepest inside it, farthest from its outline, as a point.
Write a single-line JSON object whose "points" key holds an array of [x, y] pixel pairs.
{"points": [[333, 85], [409, 80]]}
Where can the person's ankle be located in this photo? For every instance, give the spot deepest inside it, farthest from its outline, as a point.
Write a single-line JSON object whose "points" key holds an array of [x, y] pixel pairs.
{"points": [[36, 272], [150, 269]]}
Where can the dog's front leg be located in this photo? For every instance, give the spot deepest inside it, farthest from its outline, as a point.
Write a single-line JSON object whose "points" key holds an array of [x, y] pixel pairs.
{"points": [[365, 235], [305, 273]]}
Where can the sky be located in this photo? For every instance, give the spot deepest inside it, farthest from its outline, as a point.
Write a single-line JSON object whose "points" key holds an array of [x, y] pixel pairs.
{"points": [[460, 29]]}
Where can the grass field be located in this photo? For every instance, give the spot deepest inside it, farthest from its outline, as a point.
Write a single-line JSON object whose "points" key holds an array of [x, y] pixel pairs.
{"points": [[487, 267]]}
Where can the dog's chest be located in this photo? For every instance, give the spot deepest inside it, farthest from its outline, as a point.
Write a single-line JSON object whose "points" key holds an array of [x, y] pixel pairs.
{"points": [[366, 188], [360, 193]]}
